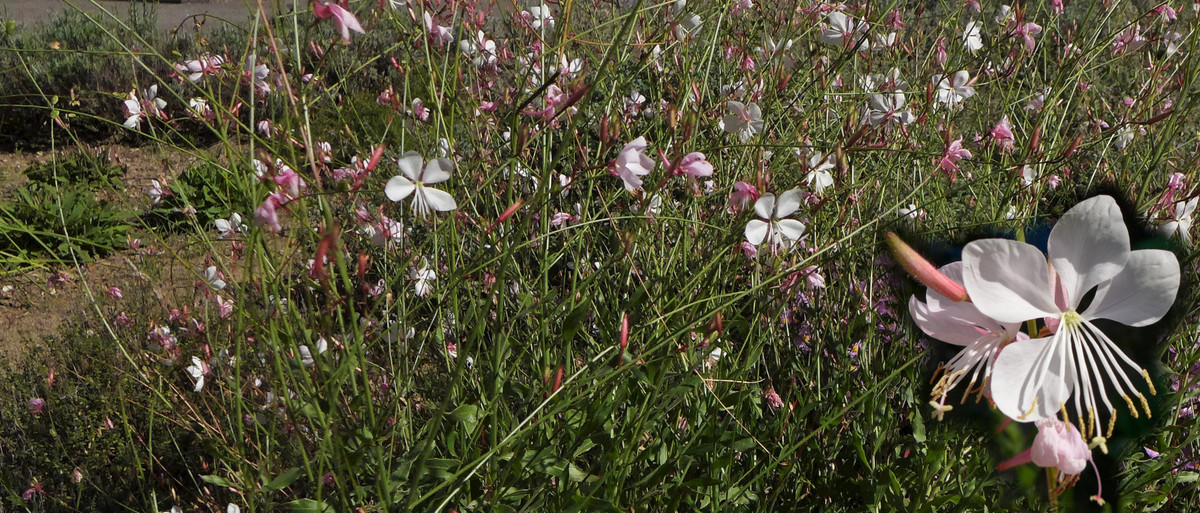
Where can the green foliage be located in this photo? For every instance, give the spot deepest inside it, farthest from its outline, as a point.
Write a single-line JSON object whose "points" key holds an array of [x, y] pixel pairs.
{"points": [[87, 426], [202, 194], [43, 223], [82, 170]]}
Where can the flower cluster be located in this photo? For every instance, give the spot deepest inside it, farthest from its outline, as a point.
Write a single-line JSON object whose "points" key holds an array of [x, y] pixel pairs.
{"points": [[1002, 285]]}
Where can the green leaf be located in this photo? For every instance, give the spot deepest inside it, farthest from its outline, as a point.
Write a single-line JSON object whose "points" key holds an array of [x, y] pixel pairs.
{"points": [[284, 480], [308, 506], [218, 481], [468, 414], [918, 426]]}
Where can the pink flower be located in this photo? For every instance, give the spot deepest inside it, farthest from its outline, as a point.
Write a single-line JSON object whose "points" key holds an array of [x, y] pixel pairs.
{"points": [[1027, 31], [632, 164], [773, 399], [561, 219], [224, 307], [265, 214], [1057, 445], [695, 165], [36, 405], [115, 293], [343, 19], [439, 35], [748, 249], [954, 153], [289, 181], [1003, 136], [743, 195]]}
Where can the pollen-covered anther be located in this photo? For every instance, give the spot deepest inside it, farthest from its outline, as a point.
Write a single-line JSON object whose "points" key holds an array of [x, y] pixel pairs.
{"points": [[1129, 402], [1149, 383], [1145, 405], [1100, 442], [1032, 408]]}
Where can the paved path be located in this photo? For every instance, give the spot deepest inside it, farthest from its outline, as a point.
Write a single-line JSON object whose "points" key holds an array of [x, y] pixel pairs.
{"points": [[169, 15]]}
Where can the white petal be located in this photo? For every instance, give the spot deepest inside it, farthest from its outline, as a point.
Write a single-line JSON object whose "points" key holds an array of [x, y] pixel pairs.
{"points": [[437, 171], [765, 205], [410, 165], [441, 201], [399, 188], [1088, 246], [1013, 377], [1007, 280], [756, 231], [791, 229], [1142, 293], [943, 325], [787, 203], [737, 108]]}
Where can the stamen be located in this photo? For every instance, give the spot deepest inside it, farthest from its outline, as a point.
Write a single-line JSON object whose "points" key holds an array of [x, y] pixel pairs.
{"points": [[1146, 374], [1032, 407], [1132, 408], [1145, 405]]}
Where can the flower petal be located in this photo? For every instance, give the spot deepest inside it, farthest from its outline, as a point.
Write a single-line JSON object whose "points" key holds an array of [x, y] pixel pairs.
{"points": [[1014, 378], [399, 188], [1088, 246], [791, 229], [437, 171], [963, 313], [410, 165], [1142, 293], [765, 205], [756, 231], [787, 203], [945, 327], [441, 201], [1007, 280]]}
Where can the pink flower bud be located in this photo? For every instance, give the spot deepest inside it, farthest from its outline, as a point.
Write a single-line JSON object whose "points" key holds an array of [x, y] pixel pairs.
{"points": [[923, 271]]}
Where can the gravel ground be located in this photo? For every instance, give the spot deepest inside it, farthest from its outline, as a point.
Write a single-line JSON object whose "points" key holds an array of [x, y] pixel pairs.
{"points": [[169, 15]]}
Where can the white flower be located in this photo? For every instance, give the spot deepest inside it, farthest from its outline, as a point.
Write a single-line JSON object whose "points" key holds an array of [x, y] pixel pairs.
{"points": [[883, 82], [154, 192], [257, 74], [133, 112], [743, 120], [632, 164], [1125, 136], [782, 233], [961, 324], [971, 36], [888, 107], [481, 50], [539, 16], [423, 279], [688, 26], [227, 227], [1181, 221], [911, 213], [415, 180], [819, 178], [1012, 281], [197, 370], [951, 91], [843, 30], [213, 278]]}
